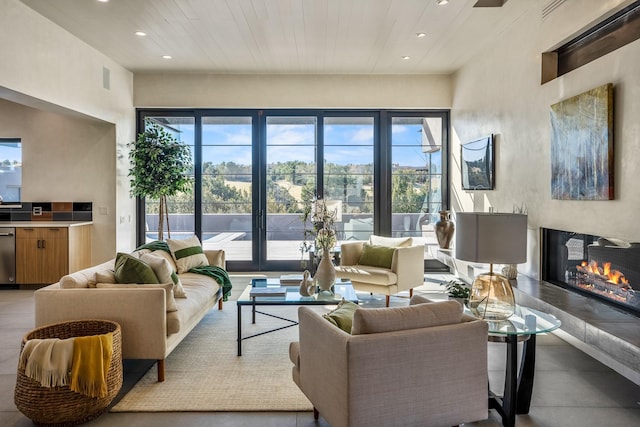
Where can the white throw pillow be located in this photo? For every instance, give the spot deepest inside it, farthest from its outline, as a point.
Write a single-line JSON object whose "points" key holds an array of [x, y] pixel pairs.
{"points": [[164, 271], [168, 291], [187, 253], [394, 242]]}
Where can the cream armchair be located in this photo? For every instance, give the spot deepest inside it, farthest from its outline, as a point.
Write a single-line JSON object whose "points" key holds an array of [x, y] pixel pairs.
{"points": [[427, 366], [405, 272]]}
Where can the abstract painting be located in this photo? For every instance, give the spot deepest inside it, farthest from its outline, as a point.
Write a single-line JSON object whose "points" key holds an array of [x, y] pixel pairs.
{"points": [[582, 146]]}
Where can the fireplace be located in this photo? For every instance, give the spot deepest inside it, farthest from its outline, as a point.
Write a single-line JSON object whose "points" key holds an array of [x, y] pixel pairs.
{"points": [[602, 268]]}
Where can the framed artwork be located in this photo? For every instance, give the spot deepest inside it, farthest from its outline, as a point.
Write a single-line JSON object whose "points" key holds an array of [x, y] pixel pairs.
{"points": [[582, 146], [478, 169]]}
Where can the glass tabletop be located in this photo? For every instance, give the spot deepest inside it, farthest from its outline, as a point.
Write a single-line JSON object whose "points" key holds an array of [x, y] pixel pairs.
{"points": [[285, 295], [525, 321]]}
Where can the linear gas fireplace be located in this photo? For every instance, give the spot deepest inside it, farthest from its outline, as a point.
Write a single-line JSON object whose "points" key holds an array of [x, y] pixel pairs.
{"points": [[603, 268]]}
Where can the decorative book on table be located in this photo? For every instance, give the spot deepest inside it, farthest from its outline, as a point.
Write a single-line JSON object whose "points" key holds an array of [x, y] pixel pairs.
{"points": [[290, 279], [262, 291]]}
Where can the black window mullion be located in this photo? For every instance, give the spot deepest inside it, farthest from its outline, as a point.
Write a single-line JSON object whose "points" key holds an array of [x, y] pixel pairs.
{"points": [[197, 176]]}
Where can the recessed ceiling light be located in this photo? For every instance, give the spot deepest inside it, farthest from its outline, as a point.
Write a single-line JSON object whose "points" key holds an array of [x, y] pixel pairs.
{"points": [[405, 58], [442, 2], [166, 56], [141, 33], [420, 35], [103, 1]]}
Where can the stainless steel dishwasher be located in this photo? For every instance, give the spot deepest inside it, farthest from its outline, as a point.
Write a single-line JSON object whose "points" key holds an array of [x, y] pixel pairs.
{"points": [[7, 256]]}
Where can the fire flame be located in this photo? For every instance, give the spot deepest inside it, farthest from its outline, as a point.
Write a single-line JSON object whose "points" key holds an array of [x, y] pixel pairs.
{"points": [[612, 276]]}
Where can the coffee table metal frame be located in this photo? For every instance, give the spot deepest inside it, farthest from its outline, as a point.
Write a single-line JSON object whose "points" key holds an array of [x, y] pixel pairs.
{"points": [[523, 327], [292, 297]]}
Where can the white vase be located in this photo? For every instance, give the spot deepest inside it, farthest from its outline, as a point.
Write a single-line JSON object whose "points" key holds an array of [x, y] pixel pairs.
{"points": [[510, 271], [326, 273]]}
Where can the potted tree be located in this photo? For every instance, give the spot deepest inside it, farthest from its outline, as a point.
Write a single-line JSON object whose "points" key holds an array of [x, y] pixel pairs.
{"points": [[457, 290], [159, 167]]}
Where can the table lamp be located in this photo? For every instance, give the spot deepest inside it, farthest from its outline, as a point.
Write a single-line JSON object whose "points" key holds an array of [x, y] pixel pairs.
{"points": [[491, 238]]}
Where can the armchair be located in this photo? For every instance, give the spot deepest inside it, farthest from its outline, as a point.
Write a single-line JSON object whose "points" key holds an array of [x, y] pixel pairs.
{"points": [[405, 272], [406, 375]]}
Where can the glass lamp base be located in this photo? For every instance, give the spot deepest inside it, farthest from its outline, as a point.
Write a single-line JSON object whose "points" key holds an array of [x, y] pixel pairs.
{"points": [[492, 297]]}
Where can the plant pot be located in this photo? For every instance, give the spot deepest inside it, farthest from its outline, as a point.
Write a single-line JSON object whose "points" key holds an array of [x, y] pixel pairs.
{"points": [[462, 301]]}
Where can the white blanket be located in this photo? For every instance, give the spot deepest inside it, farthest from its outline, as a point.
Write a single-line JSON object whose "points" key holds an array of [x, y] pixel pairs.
{"points": [[48, 361]]}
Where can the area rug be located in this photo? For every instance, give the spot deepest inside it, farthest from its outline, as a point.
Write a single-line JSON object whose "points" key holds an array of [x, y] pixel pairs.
{"points": [[204, 372]]}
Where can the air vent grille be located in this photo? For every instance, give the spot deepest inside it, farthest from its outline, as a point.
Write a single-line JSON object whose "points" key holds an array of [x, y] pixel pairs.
{"points": [[550, 7]]}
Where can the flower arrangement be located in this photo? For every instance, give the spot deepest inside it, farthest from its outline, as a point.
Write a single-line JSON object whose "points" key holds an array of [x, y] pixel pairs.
{"points": [[319, 226]]}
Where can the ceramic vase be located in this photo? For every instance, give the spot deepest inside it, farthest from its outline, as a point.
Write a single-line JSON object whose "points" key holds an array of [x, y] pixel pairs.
{"points": [[444, 230], [307, 287], [326, 273], [510, 271]]}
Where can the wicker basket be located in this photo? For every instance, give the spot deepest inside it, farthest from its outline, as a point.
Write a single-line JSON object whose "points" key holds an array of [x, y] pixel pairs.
{"points": [[59, 406]]}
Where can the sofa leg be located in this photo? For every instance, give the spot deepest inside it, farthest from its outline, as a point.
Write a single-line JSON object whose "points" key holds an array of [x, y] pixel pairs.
{"points": [[160, 370], [387, 297], [411, 292], [220, 304], [316, 414]]}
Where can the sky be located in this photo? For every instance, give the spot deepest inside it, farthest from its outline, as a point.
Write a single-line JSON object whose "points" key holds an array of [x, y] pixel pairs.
{"points": [[344, 143]]}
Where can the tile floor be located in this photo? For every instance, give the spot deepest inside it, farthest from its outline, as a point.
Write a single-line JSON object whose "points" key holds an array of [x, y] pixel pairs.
{"points": [[571, 389]]}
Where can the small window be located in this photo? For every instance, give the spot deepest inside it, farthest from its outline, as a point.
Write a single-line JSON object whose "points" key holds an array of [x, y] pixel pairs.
{"points": [[10, 170]]}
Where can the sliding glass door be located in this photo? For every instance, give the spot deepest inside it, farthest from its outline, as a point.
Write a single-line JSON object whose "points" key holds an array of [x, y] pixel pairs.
{"points": [[227, 185], [417, 175], [254, 170]]}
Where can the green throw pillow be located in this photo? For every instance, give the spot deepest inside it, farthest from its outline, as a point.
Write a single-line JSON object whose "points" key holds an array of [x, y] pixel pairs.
{"points": [[376, 256], [129, 269], [342, 315]]}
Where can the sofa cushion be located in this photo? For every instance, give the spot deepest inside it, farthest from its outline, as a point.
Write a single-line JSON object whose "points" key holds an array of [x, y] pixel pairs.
{"points": [[376, 320], [367, 274], [73, 281], [342, 315], [164, 271], [105, 276], [129, 269], [398, 242], [187, 253], [376, 256], [168, 291]]}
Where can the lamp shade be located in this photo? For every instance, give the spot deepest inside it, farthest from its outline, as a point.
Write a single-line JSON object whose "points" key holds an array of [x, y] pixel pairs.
{"points": [[491, 238]]}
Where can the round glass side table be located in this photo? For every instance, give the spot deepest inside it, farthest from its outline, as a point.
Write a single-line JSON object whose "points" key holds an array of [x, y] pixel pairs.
{"points": [[523, 326]]}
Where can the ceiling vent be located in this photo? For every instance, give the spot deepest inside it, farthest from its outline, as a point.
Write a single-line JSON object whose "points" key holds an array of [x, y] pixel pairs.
{"points": [[550, 7]]}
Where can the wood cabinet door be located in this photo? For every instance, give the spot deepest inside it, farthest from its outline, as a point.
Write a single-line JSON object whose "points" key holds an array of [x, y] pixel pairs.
{"points": [[27, 255], [54, 262], [42, 255]]}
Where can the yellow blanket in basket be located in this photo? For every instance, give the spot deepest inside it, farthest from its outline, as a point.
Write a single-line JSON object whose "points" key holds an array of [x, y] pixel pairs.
{"points": [[91, 360]]}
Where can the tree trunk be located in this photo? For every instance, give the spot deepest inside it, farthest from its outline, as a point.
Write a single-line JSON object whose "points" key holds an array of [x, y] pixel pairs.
{"points": [[166, 213], [161, 219]]}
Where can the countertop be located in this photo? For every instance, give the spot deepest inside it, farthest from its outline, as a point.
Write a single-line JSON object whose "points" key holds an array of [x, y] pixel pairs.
{"points": [[33, 224]]}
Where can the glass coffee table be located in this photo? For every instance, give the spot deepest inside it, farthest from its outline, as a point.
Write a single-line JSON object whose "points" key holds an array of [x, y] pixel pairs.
{"points": [[523, 326], [269, 292]]}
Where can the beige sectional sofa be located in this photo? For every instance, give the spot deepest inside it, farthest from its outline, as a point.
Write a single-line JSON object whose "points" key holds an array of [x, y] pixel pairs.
{"points": [[149, 331]]}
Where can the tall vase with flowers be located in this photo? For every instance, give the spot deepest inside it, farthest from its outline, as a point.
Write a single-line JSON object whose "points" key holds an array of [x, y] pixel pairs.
{"points": [[320, 234]]}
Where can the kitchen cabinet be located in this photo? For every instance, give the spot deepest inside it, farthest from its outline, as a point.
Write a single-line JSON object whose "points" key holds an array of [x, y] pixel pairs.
{"points": [[45, 254]]}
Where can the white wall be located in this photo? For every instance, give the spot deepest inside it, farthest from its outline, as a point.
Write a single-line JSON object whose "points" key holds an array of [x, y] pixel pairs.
{"points": [[66, 159], [291, 91], [499, 92], [46, 67]]}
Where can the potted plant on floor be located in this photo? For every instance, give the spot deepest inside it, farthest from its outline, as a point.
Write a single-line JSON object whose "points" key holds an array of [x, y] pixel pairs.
{"points": [[159, 169], [457, 290]]}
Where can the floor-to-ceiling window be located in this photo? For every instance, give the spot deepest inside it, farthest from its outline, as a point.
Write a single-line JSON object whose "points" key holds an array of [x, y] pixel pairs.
{"points": [[417, 174], [253, 170], [181, 207]]}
